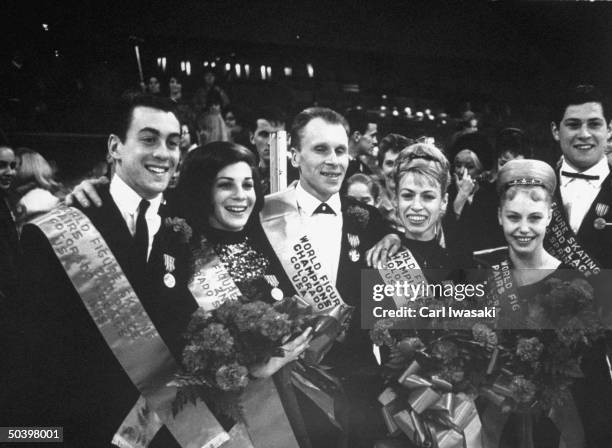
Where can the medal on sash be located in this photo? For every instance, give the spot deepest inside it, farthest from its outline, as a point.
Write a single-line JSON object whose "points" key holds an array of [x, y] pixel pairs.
{"points": [[276, 292], [169, 279], [129, 333], [601, 210], [283, 226], [354, 243]]}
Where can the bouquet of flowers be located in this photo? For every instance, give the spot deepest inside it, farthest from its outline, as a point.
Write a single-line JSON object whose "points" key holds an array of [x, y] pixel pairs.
{"points": [[531, 370], [432, 378], [224, 343], [525, 371]]}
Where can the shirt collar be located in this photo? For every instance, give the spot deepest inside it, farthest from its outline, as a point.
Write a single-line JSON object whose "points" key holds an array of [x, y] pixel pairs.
{"points": [[600, 169], [308, 203], [128, 200]]}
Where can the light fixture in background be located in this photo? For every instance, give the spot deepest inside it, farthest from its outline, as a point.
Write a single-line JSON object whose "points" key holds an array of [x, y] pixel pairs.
{"points": [[310, 70]]}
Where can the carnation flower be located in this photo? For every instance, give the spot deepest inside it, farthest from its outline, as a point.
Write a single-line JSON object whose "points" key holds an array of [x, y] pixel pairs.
{"points": [[248, 315], [484, 335], [529, 349], [522, 389], [409, 346], [358, 215], [180, 226], [274, 325], [232, 377], [215, 337], [445, 350]]}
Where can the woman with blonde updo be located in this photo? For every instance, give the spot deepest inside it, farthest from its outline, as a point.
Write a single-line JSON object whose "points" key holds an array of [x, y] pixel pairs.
{"points": [[525, 188], [422, 177]]}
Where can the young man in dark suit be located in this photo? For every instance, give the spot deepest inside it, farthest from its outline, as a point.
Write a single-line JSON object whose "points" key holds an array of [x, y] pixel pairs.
{"points": [[75, 379], [584, 194]]}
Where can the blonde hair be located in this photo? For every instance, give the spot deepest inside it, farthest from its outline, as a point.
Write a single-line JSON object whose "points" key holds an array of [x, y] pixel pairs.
{"points": [[34, 168], [427, 161]]}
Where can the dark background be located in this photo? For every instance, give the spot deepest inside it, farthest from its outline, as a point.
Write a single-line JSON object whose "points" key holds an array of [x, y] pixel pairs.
{"points": [[503, 60]]}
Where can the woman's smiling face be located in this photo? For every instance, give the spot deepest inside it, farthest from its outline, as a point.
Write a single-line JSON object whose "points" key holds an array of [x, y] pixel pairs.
{"points": [[524, 218], [233, 197], [421, 205]]}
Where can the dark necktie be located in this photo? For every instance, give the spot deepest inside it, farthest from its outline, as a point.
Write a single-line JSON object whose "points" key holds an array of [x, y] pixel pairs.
{"points": [[324, 209], [141, 236], [579, 176]]}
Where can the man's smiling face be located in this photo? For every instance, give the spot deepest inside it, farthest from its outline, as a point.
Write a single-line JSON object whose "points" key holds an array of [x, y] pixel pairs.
{"points": [[146, 160], [582, 134]]}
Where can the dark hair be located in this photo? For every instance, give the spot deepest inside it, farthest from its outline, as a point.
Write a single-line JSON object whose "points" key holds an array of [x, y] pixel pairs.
{"points": [[198, 173], [130, 102], [358, 121], [394, 143], [515, 141], [307, 115], [272, 114], [584, 93], [360, 178]]}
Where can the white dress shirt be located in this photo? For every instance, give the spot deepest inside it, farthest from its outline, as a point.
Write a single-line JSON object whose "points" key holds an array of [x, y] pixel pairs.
{"points": [[578, 194], [325, 229], [128, 202]]}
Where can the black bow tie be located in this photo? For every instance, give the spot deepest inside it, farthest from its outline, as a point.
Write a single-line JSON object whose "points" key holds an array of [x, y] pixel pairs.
{"points": [[324, 208], [579, 176]]}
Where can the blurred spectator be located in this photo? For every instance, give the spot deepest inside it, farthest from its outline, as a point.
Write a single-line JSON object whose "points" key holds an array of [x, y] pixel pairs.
{"points": [[153, 85], [234, 120], [363, 188], [201, 97], [188, 138], [175, 89], [9, 239], [262, 124], [362, 143], [36, 189], [210, 124], [466, 168], [474, 204], [511, 143], [470, 137], [390, 147]]}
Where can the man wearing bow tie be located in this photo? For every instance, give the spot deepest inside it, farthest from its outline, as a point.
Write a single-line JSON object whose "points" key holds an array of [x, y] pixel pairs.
{"points": [[341, 230], [582, 129], [77, 379]]}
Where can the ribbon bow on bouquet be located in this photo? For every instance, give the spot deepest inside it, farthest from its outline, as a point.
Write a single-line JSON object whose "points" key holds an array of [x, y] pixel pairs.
{"points": [[429, 413]]}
